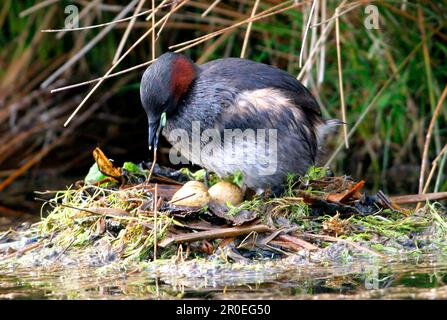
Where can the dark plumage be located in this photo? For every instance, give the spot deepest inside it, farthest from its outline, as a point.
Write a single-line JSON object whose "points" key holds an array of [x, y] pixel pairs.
{"points": [[240, 94]]}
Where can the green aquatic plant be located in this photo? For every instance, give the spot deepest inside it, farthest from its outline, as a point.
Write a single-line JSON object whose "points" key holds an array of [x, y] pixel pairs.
{"points": [[315, 173], [254, 204], [237, 178], [94, 175], [81, 216], [200, 175]]}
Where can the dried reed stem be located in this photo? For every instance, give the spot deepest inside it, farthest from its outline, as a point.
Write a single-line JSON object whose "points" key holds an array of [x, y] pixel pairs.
{"points": [[191, 43], [303, 43], [321, 40], [153, 31], [428, 137], [211, 7], [36, 7], [340, 80], [127, 31], [141, 65], [373, 102], [82, 14], [247, 33], [260, 15], [87, 47], [433, 168], [119, 60]]}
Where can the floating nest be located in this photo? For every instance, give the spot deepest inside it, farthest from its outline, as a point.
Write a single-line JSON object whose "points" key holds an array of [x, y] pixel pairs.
{"points": [[128, 214]]}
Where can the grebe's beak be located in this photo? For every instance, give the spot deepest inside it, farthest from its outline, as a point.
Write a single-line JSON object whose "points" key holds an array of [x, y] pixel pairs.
{"points": [[154, 131]]}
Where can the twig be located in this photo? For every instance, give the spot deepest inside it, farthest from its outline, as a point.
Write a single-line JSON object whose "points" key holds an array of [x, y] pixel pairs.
{"points": [[199, 40], [373, 102], [414, 198], [5, 234], [114, 21], [102, 6], [441, 171], [211, 7], [151, 61], [433, 168], [116, 64], [94, 26], [220, 233], [144, 64], [320, 40], [154, 160], [391, 7], [83, 12], [336, 15], [266, 240], [39, 155], [247, 33], [102, 211], [225, 11], [164, 23], [212, 47], [427, 139], [127, 31], [182, 198], [153, 32], [303, 43], [261, 15], [141, 65], [313, 38], [340, 80], [36, 7], [322, 62], [86, 48]]}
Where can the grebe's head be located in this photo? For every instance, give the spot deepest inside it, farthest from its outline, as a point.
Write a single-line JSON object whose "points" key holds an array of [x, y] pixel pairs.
{"points": [[162, 86]]}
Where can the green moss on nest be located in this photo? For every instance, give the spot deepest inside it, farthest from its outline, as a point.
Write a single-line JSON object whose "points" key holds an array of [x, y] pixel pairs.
{"points": [[76, 214]]}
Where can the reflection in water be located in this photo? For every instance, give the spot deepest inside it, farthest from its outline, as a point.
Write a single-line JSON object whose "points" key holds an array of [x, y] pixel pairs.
{"points": [[418, 278]]}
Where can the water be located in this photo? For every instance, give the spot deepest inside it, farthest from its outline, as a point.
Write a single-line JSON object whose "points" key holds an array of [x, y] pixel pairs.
{"points": [[422, 277]]}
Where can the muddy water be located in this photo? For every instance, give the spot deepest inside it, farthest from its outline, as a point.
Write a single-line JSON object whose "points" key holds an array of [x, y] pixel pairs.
{"points": [[421, 277]]}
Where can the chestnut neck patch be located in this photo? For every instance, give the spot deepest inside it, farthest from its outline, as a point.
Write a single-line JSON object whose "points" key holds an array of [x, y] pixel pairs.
{"points": [[182, 75]]}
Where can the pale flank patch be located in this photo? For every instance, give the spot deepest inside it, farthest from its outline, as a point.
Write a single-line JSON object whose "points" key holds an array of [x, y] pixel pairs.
{"points": [[269, 99]]}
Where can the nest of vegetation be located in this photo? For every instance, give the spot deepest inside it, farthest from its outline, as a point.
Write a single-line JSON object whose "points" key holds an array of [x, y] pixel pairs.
{"points": [[127, 214]]}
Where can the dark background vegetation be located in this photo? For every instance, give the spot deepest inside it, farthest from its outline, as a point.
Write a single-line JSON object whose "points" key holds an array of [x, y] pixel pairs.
{"points": [[38, 153]]}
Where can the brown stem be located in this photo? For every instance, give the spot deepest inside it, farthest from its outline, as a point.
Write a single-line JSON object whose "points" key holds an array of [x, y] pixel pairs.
{"points": [[415, 198], [427, 139], [220, 233]]}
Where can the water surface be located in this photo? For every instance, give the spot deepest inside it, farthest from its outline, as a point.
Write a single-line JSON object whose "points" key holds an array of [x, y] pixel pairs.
{"points": [[421, 277]]}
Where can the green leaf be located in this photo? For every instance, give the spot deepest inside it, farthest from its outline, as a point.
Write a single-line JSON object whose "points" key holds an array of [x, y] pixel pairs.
{"points": [[238, 178], [94, 175], [133, 168]]}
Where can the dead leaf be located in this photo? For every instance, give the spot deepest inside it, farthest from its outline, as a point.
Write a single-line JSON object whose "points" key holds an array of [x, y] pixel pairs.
{"points": [[105, 165], [335, 226], [101, 226], [352, 192]]}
